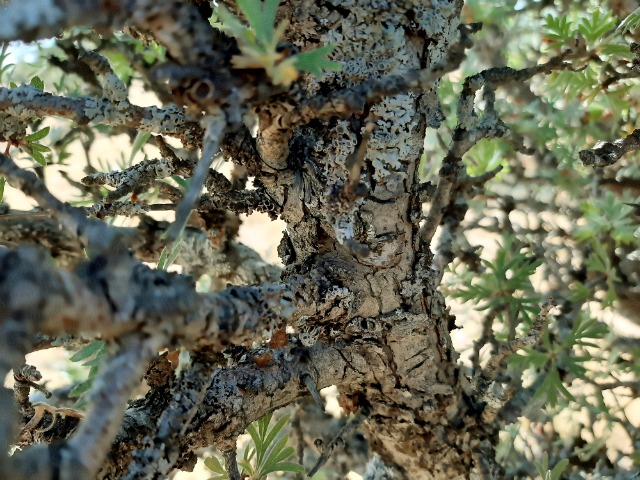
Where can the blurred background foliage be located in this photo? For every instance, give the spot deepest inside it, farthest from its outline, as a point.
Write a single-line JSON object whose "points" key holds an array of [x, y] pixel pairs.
{"points": [[547, 226]]}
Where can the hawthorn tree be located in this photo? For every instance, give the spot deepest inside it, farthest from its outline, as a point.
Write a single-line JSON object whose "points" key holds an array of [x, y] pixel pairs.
{"points": [[510, 213]]}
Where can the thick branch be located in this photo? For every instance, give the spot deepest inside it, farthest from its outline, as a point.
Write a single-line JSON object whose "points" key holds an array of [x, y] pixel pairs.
{"points": [[160, 452], [33, 19], [212, 252], [93, 299], [236, 397], [27, 101]]}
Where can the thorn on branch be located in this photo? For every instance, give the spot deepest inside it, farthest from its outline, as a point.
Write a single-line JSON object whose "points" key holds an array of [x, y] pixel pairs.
{"points": [[212, 138], [308, 381]]}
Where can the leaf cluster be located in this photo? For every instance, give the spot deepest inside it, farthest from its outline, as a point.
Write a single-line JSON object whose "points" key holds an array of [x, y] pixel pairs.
{"points": [[504, 284], [562, 356], [554, 473], [267, 453], [93, 356], [261, 44]]}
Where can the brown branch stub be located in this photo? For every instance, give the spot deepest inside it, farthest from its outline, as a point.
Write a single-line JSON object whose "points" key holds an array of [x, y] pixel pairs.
{"points": [[604, 154], [45, 419], [25, 379]]}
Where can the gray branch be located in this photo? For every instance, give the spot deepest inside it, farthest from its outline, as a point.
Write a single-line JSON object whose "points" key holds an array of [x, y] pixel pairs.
{"points": [[604, 154], [98, 298], [160, 449], [26, 101]]}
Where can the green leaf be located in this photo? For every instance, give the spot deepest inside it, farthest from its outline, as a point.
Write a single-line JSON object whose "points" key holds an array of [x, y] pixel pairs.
{"points": [[559, 29], [289, 467], [314, 61], [163, 258], [4, 67], [2, 182], [543, 466], [631, 22], [138, 143], [553, 388], [38, 157], [252, 429], [168, 256], [261, 16], [597, 26], [39, 135], [36, 147], [37, 82], [82, 388], [181, 181], [95, 362], [213, 464], [278, 453], [276, 429], [231, 23], [560, 467], [269, 452], [93, 348]]}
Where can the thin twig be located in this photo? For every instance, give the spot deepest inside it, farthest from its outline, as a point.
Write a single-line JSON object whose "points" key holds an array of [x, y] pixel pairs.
{"points": [[99, 236], [339, 440], [231, 463], [213, 136], [491, 371]]}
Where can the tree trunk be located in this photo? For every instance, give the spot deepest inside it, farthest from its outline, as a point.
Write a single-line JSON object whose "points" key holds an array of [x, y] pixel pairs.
{"points": [[366, 246]]}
